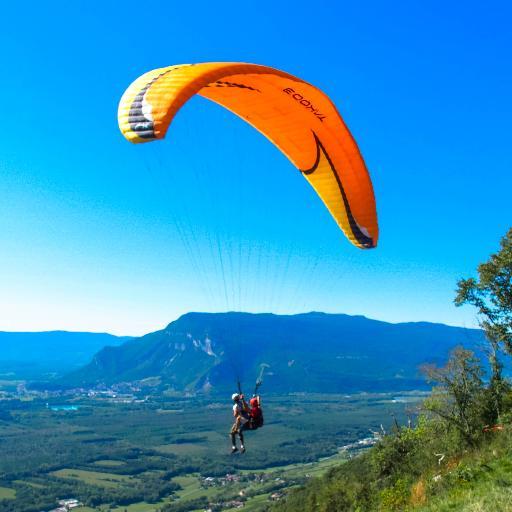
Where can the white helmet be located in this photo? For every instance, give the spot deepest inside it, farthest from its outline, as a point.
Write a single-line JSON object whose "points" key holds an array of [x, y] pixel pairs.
{"points": [[235, 396]]}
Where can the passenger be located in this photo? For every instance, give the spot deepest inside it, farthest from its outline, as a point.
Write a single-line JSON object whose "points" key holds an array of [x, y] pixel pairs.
{"points": [[256, 413]]}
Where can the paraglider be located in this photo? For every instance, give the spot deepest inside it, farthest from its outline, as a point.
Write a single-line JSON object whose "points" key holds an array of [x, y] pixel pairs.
{"points": [[297, 117], [247, 416]]}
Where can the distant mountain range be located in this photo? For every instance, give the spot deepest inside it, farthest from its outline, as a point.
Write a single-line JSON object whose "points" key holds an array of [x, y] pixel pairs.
{"points": [[30, 354], [313, 352]]}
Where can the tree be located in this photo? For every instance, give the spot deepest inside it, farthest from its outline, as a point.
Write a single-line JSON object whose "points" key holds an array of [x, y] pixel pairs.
{"points": [[491, 295], [459, 395]]}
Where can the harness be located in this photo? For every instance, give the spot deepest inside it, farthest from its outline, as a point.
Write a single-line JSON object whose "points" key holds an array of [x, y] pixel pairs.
{"points": [[254, 415]]}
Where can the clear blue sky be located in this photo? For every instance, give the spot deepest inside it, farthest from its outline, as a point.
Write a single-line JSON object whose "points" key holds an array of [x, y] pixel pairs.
{"points": [[97, 234]]}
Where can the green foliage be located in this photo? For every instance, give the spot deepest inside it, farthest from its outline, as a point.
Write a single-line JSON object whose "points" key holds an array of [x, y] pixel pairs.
{"points": [[460, 398], [395, 497], [491, 294], [395, 452]]}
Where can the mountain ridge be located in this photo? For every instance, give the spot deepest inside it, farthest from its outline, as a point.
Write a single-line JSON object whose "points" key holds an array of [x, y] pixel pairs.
{"points": [[304, 352], [33, 353]]}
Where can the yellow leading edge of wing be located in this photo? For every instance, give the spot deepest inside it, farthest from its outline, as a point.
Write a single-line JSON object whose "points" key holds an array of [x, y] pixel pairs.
{"points": [[296, 116]]}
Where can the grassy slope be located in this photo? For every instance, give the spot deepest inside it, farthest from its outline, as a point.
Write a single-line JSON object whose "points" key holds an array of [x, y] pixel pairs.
{"points": [[476, 481], [481, 481]]}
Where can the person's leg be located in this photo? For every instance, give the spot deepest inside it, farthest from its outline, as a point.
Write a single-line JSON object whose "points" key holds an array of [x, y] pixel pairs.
{"points": [[234, 431], [241, 436]]}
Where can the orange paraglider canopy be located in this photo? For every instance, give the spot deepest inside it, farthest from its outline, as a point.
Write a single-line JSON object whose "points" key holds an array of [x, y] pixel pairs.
{"points": [[296, 116]]}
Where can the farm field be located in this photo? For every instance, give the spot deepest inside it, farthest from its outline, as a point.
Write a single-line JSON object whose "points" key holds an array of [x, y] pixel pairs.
{"points": [[94, 477], [7, 494]]}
